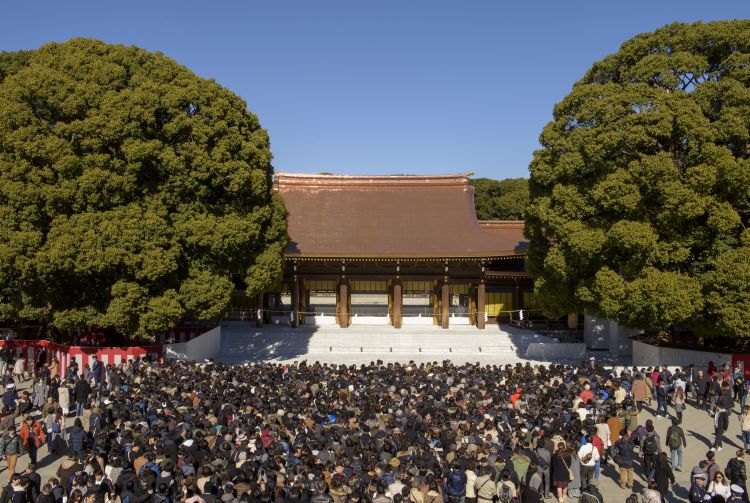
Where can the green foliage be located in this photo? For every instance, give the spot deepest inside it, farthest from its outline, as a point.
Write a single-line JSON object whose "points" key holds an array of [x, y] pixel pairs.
{"points": [[641, 191], [500, 199], [130, 191]]}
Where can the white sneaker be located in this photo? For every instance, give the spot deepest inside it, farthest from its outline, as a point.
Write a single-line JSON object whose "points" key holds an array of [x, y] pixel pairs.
{"points": [[718, 449]]}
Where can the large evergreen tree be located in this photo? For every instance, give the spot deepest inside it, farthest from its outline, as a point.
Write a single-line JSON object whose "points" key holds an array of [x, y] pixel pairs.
{"points": [[130, 191], [640, 194], [500, 199]]}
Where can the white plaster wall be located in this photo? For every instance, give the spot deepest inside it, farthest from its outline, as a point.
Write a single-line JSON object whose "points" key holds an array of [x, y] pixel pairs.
{"points": [[646, 355], [370, 320], [320, 320], [596, 332], [555, 350], [416, 320], [204, 346]]}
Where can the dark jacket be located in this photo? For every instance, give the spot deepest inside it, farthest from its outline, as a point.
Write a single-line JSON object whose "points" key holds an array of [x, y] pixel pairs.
{"points": [[82, 391], [679, 431], [456, 483], [736, 471], [10, 445], [722, 420], [663, 473], [697, 493], [624, 454], [76, 438], [127, 474]]}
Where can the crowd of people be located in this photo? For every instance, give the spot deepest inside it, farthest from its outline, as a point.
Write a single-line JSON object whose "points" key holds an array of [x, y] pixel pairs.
{"points": [[179, 432]]}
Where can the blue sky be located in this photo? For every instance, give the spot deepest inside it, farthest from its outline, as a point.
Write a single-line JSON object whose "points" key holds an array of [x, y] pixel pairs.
{"points": [[377, 87]]}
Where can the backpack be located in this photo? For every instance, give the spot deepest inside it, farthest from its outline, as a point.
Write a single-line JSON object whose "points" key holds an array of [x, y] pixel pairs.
{"points": [[56, 427], [650, 446], [673, 440], [125, 499], [506, 495]]}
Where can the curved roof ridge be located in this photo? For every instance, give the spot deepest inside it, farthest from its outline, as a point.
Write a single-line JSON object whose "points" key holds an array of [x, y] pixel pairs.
{"points": [[286, 174], [335, 180]]}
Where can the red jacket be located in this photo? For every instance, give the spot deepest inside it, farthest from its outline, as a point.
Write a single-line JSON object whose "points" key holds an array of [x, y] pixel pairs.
{"points": [[39, 436]]}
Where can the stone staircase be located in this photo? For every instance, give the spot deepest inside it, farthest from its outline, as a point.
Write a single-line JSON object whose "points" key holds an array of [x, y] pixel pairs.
{"points": [[242, 342]]}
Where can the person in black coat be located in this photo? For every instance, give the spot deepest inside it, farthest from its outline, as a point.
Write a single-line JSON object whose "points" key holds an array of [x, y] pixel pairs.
{"points": [[624, 456], [77, 439], [663, 474], [82, 390], [700, 390], [721, 424]]}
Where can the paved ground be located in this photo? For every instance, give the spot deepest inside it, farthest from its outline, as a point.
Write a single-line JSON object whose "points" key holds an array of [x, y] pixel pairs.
{"points": [[697, 424]]}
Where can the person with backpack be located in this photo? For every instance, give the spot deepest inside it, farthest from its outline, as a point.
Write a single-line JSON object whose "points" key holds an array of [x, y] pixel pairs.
{"points": [[506, 489], [456, 484], [736, 472], [484, 486], [676, 441], [650, 448], [589, 455]]}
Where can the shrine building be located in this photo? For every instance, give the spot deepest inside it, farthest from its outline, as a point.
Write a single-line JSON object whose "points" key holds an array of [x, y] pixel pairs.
{"points": [[395, 250]]}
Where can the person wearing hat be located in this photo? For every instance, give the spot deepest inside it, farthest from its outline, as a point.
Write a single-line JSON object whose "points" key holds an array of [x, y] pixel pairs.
{"points": [[10, 398], [738, 494], [698, 492]]}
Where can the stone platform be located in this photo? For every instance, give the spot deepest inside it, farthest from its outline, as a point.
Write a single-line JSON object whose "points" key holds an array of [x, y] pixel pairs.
{"points": [[242, 342]]}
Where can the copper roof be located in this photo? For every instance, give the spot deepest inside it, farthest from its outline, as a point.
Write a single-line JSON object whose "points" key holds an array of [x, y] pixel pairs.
{"points": [[389, 216]]}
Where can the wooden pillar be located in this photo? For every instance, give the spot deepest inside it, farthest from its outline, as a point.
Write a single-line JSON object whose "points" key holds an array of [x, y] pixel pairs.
{"points": [[397, 303], [259, 310], [517, 297], [295, 302], [445, 305], [267, 307], [303, 299], [342, 300], [472, 304], [480, 306], [277, 303]]}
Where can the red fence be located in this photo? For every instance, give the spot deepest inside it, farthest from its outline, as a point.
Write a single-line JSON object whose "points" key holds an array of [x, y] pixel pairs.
{"points": [[84, 355]]}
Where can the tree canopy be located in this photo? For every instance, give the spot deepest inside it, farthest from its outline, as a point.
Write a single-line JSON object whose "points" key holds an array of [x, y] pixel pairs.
{"points": [[500, 199], [131, 191], [640, 194]]}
